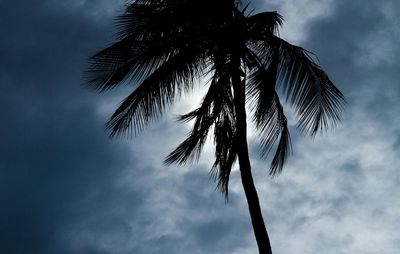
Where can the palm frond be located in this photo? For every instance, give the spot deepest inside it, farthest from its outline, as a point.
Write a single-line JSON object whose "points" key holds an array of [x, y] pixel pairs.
{"points": [[170, 17], [151, 20], [225, 147], [216, 111], [137, 19], [125, 60], [318, 103], [263, 23], [268, 114], [205, 116], [149, 99], [224, 138], [149, 33]]}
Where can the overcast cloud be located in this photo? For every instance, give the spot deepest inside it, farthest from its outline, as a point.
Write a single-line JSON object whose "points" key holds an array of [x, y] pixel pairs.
{"points": [[66, 188]]}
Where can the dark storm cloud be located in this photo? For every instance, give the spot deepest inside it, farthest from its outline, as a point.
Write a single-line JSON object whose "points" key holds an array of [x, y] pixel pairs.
{"points": [[54, 154], [362, 35]]}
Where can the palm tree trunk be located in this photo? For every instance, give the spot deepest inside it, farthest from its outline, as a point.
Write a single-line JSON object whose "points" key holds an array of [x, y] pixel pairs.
{"points": [[260, 231]]}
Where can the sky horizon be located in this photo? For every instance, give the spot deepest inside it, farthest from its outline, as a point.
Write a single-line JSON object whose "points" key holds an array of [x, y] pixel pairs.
{"points": [[66, 187]]}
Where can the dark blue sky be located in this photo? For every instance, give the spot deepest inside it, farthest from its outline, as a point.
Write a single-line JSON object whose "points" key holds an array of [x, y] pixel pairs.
{"points": [[65, 187]]}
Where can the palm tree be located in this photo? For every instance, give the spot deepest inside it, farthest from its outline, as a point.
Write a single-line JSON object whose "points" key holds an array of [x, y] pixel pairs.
{"points": [[164, 46]]}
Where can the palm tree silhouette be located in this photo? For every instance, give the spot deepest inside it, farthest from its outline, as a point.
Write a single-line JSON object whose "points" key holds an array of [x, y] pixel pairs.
{"points": [[164, 46]]}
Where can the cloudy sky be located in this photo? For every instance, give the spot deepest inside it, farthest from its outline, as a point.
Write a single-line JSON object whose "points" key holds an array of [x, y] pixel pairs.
{"points": [[66, 188]]}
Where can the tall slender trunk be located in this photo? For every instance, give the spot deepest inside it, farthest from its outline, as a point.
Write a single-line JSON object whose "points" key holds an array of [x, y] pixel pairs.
{"points": [[260, 231]]}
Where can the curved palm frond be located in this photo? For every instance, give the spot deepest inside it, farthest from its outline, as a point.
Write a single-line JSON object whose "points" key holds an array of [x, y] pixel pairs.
{"points": [[165, 18], [216, 110], [126, 60], [264, 22], [158, 90], [268, 114], [149, 33], [273, 125], [225, 136], [225, 149], [205, 117], [318, 103]]}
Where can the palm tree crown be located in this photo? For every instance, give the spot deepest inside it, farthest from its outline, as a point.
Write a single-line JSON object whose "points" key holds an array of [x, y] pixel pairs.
{"points": [[165, 45]]}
